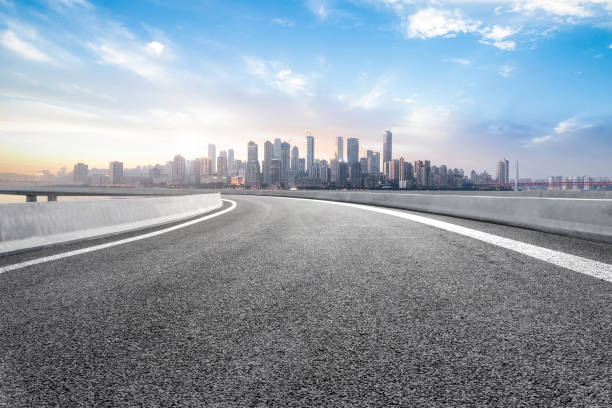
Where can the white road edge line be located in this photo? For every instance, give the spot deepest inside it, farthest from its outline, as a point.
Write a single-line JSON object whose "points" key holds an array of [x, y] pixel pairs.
{"points": [[575, 263], [8, 268]]}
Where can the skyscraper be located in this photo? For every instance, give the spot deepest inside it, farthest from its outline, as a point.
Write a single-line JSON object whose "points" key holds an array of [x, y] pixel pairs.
{"points": [[352, 150], [363, 165], [212, 155], [205, 171], [222, 168], [285, 162], [340, 148], [196, 170], [115, 172], [427, 174], [275, 173], [310, 147], [503, 171], [354, 174], [80, 173], [392, 167], [231, 163], [277, 148], [295, 158], [178, 170], [387, 146], [252, 168], [268, 157]]}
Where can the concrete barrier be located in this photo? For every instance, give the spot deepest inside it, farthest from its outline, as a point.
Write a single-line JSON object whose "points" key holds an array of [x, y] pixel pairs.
{"points": [[588, 218], [31, 225]]}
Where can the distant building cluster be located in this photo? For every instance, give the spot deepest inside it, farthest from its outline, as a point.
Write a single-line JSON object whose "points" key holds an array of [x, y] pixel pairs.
{"points": [[278, 165]]}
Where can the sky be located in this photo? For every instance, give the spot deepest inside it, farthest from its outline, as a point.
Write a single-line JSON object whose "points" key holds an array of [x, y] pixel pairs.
{"points": [[461, 83]]}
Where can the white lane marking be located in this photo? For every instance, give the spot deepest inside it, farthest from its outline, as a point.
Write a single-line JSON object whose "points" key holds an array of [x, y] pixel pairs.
{"points": [[575, 263], [115, 243]]}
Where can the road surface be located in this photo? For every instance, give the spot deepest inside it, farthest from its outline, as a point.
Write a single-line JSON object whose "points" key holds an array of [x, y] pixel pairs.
{"points": [[299, 303]]}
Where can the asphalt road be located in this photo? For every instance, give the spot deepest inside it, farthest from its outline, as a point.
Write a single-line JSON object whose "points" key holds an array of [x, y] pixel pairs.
{"points": [[294, 303]]}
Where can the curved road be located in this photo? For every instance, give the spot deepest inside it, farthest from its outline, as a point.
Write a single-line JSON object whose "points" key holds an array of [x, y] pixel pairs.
{"points": [[301, 303]]}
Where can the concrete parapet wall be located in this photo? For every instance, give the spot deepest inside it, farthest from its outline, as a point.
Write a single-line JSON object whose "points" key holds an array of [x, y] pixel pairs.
{"points": [[30, 225], [589, 218]]}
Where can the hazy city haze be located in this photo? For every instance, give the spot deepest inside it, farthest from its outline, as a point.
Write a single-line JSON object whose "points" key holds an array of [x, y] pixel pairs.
{"points": [[458, 82]]}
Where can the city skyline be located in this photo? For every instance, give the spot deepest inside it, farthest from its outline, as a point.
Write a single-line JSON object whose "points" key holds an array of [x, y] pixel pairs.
{"points": [[281, 167], [456, 81]]}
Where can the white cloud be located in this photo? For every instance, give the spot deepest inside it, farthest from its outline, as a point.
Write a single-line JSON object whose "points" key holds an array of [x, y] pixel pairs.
{"points": [[71, 3], [506, 70], [571, 8], [128, 60], [277, 75], [371, 99], [404, 100], [155, 47], [284, 22], [571, 125], [496, 36], [430, 23], [497, 32], [610, 46], [541, 139], [461, 61], [26, 50], [320, 8]]}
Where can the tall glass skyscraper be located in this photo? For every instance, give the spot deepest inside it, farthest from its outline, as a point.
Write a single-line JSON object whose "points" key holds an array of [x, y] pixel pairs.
{"points": [[212, 155], [340, 148], [387, 146], [352, 150], [309, 152]]}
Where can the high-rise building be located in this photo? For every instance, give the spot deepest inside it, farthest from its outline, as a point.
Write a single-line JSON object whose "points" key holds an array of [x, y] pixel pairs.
{"points": [[277, 148], [363, 163], [212, 155], [275, 173], [352, 150], [222, 168], [205, 170], [252, 167], [178, 169], [427, 174], [340, 148], [301, 166], [295, 159], [373, 162], [392, 168], [231, 163], [310, 152], [323, 172], [503, 171], [196, 170], [268, 157], [342, 175], [115, 172], [354, 174], [387, 146], [443, 173], [80, 173], [285, 163]]}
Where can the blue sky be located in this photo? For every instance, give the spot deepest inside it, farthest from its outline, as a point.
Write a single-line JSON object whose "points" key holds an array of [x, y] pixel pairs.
{"points": [[462, 83]]}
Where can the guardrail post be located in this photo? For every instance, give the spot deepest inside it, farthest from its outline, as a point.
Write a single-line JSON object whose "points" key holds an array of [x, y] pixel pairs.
{"points": [[52, 197], [30, 198]]}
